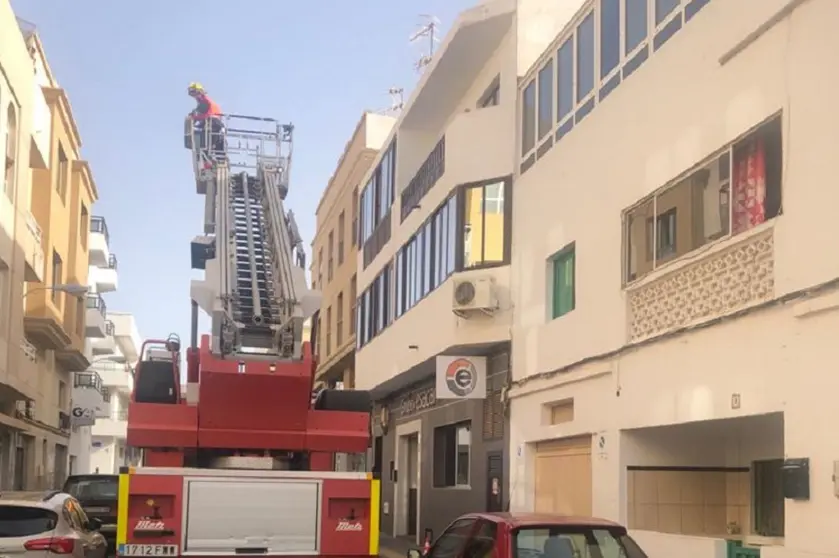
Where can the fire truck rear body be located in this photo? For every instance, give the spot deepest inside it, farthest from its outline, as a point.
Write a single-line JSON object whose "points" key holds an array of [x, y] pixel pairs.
{"points": [[217, 512]]}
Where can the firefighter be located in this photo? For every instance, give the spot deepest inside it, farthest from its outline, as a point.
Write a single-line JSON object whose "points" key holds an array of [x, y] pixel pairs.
{"points": [[207, 116]]}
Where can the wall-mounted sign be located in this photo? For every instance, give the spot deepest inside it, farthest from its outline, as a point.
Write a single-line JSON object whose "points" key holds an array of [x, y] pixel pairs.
{"points": [[461, 377], [417, 401]]}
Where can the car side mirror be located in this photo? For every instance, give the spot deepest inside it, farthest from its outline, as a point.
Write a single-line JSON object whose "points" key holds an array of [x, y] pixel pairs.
{"points": [[94, 524], [413, 553]]}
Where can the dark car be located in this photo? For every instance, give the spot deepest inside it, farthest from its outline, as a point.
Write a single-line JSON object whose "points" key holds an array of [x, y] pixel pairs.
{"points": [[531, 535], [98, 496]]}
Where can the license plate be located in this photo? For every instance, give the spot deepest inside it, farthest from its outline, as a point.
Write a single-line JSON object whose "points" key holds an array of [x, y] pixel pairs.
{"points": [[94, 509], [148, 550]]}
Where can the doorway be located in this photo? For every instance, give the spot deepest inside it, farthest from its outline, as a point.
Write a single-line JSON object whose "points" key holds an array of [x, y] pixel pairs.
{"points": [[495, 481], [412, 478]]}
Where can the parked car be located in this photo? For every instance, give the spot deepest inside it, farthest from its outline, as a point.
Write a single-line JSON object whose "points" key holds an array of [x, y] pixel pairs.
{"points": [[98, 496], [531, 535], [37, 524]]}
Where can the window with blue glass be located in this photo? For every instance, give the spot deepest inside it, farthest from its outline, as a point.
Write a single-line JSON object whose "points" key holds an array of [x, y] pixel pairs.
{"points": [[565, 79], [585, 57], [528, 118], [610, 36], [546, 99], [378, 194], [635, 24]]}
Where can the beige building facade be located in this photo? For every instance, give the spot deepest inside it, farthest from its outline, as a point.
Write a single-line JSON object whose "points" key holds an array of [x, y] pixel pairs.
{"points": [[45, 210], [674, 290], [335, 248]]}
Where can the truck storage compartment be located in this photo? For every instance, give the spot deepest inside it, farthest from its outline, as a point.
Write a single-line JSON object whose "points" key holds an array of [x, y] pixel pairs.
{"points": [[272, 516]]}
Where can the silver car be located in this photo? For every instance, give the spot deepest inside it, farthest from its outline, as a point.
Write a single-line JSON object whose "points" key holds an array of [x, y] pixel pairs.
{"points": [[37, 524]]}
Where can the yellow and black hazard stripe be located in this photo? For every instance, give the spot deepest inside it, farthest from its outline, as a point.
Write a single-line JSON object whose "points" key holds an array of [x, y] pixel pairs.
{"points": [[122, 506]]}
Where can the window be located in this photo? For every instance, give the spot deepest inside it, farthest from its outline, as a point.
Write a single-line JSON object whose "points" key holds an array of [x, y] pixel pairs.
{"points": [[376, 306], [585, 57], [664, 8], [355, 216], [377, 196], [484, 227], [574, 540], [353, 295], [565, 79], [63, 173], [528, 118], [84, 226], [25, 521], [320, 267], [339, 323], [452, 449], [492, 96], [768, 498], [546, 99], [10, 168], [57, 274], [563, 291], [330, 268], [610, 33], [328, 331], [727, 194], [448, 545], [341, 226], [635, 27], [482, 542]]}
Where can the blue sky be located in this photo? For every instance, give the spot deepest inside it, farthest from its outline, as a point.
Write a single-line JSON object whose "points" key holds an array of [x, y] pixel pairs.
{"points": [[126, 65]]}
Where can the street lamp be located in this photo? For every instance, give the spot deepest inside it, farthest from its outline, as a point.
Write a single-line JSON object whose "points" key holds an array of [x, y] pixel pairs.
{"points": [[72, 289]]}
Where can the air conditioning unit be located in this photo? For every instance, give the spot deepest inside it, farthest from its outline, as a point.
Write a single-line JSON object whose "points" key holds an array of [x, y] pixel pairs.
{"points": [[474, 295]]}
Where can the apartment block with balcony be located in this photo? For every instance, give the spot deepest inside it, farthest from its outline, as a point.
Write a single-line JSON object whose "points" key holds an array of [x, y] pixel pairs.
{"points": [[335, 247], [108, 449], [91, 392], [433, 275], [46, 186], [675, 301]]}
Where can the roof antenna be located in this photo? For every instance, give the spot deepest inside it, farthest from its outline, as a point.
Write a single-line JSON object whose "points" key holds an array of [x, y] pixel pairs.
{"points": [[397, 102], [428, 29]]}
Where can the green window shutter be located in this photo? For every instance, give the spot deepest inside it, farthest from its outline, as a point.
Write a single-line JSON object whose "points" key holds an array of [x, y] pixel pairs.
{"points": [[563, 284]]}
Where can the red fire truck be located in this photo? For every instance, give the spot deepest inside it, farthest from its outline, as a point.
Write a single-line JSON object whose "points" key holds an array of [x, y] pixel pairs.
{"points": [[241, 460]]}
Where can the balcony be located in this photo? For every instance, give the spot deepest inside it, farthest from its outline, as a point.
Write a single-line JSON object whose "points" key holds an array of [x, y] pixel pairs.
{"points": [[33, 249], [116, 376], [100, 242], [114, 426], [127, 336], [95, 316], [88, 399], [104, 278], [104, 346]]}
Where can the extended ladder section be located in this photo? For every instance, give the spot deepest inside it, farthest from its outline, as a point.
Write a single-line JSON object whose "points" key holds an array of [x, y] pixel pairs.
{"points": [[254, 285]]}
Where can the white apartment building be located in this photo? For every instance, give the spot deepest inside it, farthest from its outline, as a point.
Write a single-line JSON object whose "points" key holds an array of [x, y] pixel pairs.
{"points": [[433, 272], [674, 278], [91, 396], [108, 448]]}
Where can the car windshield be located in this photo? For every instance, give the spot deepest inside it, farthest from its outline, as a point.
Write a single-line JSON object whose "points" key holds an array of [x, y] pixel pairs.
{"points": [[82, 489], [22, 521], [570, 541]]}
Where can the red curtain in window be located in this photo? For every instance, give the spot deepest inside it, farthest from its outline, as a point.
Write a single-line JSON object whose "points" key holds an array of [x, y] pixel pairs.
{"points": [[749, 191]]}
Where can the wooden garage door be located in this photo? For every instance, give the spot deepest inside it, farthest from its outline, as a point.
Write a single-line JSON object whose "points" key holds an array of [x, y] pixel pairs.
{"points": [[563, 476]]}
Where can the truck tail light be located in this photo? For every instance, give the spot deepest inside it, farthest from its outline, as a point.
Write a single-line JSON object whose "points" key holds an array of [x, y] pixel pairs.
{"points": [[56, 545]]}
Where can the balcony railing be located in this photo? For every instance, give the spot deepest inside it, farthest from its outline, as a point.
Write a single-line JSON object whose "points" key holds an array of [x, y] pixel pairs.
{"points": [[29, 350], [109, 328], [426, 177], [112, 262], [88, 380], [96, 301], [98, 225], [33, 226], [106, 395]]}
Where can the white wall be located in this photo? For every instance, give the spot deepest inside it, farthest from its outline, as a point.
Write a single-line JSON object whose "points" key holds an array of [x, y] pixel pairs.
{"points": [[80, 448]]}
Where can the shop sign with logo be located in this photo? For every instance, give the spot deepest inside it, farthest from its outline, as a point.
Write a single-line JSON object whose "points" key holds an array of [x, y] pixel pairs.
{"points": [[461, 377]]}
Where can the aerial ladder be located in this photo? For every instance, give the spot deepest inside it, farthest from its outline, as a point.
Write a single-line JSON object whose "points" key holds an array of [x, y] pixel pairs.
{"points": [[241, 461]]}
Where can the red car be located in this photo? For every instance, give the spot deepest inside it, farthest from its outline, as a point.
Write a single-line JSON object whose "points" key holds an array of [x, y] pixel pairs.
{"points": [[532, 535]]}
